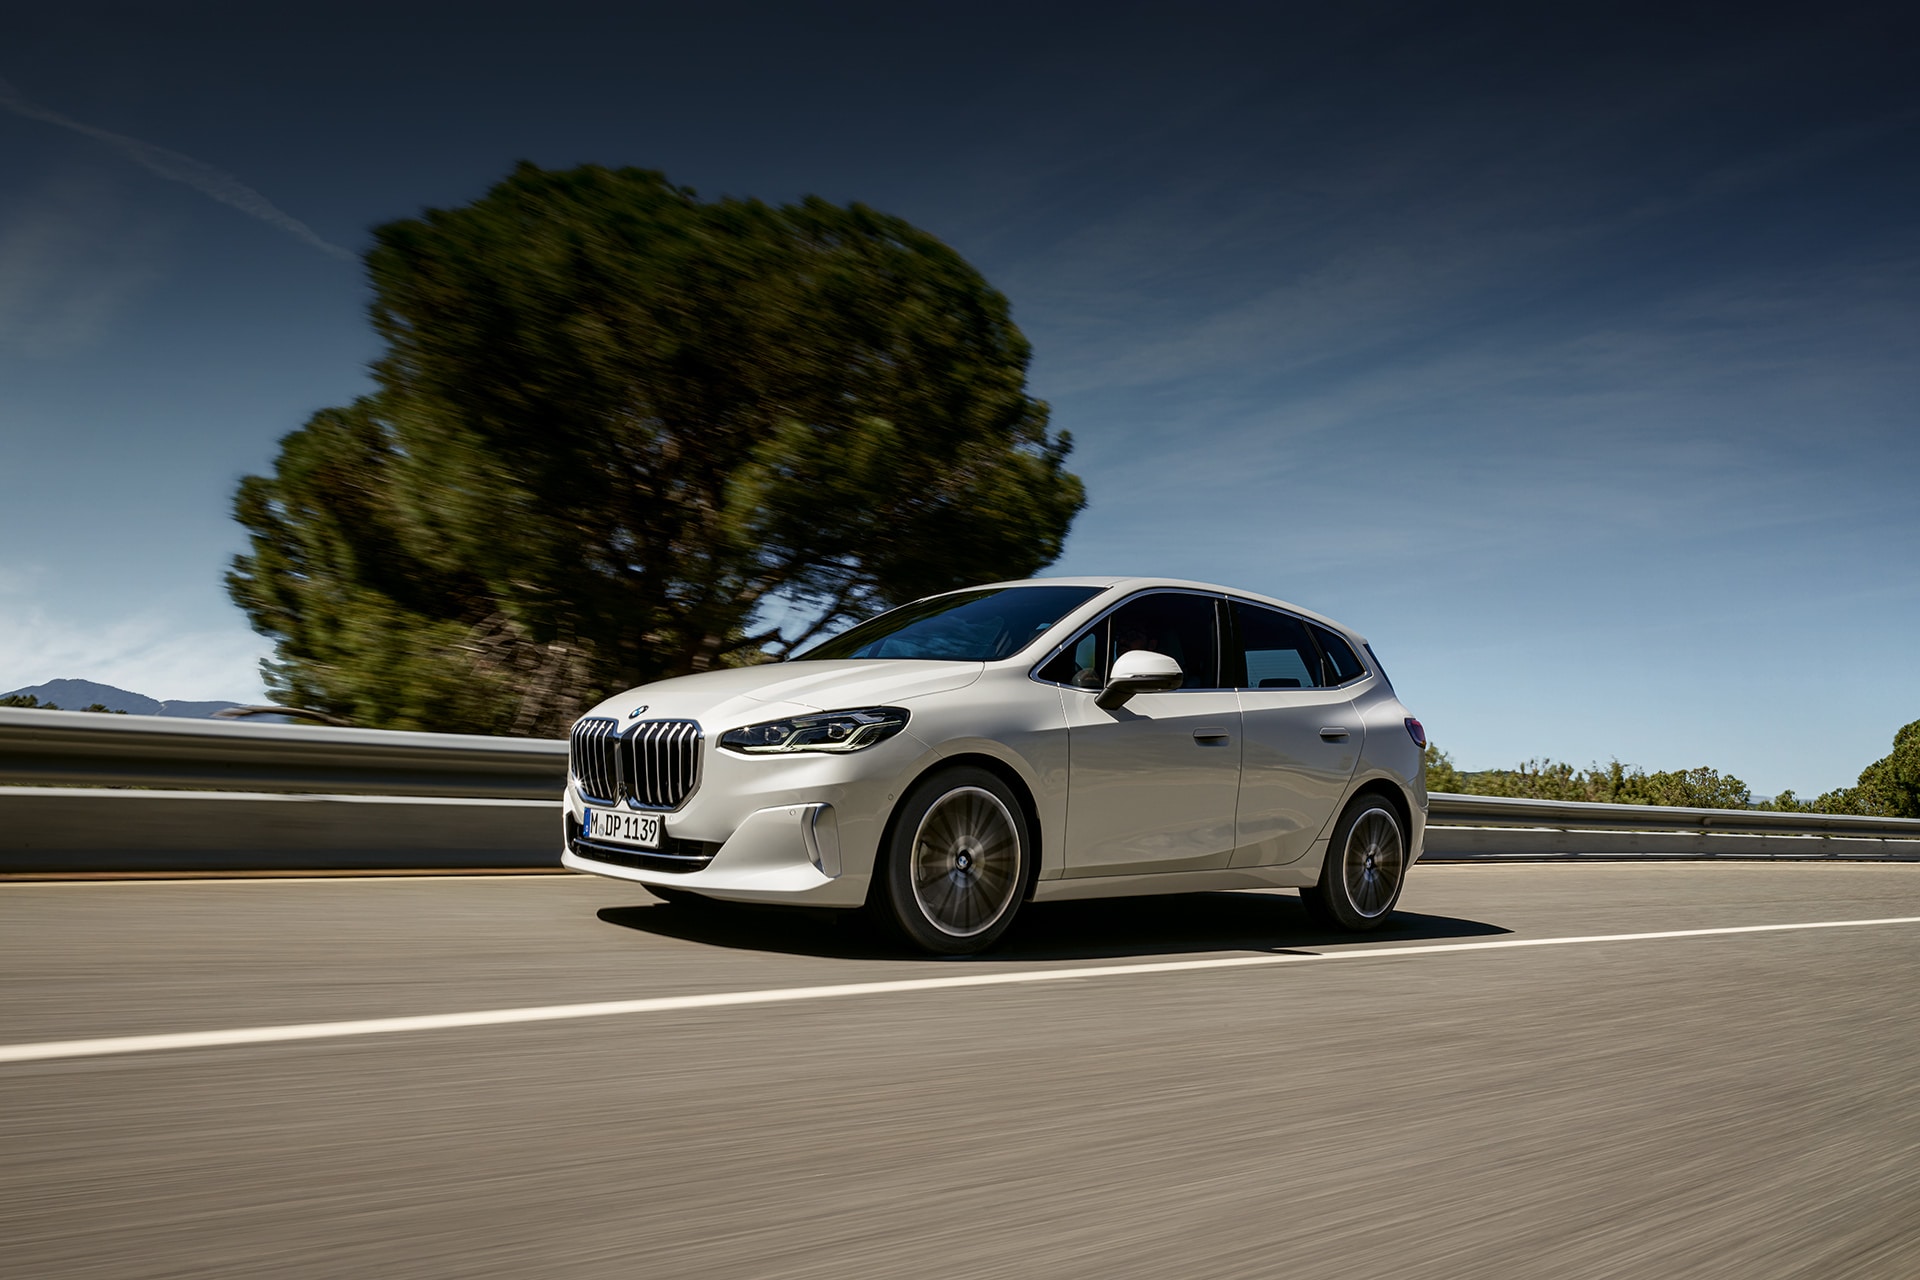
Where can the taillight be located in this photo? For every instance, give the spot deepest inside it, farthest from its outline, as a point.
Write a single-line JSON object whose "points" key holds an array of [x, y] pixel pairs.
{"points": [[1417, 732]]}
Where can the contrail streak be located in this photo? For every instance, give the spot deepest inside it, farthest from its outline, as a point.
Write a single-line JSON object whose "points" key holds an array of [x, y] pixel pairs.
{"points": [[174, 167]]}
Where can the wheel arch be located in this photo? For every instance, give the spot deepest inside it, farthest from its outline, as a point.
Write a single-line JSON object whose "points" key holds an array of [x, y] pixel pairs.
{"points": [[1000, 769], [1391, 792]]}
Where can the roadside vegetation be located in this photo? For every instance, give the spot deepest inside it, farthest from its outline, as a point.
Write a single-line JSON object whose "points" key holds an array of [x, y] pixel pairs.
{"points": [[28, 700], [1888, 788]]}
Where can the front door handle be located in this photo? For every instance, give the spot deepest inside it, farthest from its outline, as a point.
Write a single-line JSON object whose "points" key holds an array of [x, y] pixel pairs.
{"points": [[1209, 735], [1333, 733]]}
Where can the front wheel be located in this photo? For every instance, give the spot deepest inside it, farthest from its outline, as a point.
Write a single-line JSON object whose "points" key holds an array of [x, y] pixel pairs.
{"points": [[957, 863], [1365, 869]]}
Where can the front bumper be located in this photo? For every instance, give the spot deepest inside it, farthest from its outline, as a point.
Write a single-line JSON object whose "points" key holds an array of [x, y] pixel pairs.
{"points": [[789, 854], [801, 829]]}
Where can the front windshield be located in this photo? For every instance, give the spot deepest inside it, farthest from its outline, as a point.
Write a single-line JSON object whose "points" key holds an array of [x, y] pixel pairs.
{"points": [[967, 626]]}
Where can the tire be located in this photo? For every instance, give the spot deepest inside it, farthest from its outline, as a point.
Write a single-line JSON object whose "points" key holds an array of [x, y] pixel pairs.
{"points": [[957, 863], [1365, 870]]}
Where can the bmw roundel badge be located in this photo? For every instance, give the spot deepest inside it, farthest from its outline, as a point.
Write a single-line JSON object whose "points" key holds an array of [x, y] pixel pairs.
{"points": [[637, 712]]}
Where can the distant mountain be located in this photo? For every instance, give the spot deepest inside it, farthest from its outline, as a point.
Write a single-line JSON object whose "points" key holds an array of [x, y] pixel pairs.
{"points": [[73, 695]]}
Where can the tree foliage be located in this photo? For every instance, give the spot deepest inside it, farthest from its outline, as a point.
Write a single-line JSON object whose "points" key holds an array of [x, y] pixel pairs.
{"points": [[30, 700], [1889, 787], [1441, 774], [1613, 783], [616, 428]]}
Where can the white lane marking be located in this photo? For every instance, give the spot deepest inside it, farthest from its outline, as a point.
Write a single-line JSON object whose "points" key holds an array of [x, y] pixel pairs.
{"points": [[785, 995]]}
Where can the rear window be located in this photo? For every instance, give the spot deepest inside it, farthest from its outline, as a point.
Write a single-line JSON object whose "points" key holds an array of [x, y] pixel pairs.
{"points": [[1279, 653], [1342, 663]]}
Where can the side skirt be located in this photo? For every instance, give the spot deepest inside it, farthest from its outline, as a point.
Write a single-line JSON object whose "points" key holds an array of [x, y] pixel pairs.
{"points": [[1293, 876]]}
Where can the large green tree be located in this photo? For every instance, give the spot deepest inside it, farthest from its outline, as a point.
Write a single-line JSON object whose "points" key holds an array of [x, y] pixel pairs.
{"points": [[617, 429]]}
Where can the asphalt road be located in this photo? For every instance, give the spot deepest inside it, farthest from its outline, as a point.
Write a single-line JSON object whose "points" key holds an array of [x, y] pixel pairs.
{"points": [[1743, 1105]]}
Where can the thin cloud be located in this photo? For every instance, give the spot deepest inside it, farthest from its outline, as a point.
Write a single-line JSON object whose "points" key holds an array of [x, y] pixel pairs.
{"points": [[175, 167], [160, 654], [71, 262]]}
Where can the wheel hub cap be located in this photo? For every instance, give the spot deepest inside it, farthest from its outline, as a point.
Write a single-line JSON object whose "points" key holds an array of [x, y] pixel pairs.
{"points": [[1375, 860], [967, 863]]}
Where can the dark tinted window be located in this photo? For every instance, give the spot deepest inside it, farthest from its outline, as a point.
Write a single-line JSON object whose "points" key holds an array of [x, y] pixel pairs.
{"points": [[1081, 664], [1184, 627], [1279, 653], [1342, 663], [967, 626]]}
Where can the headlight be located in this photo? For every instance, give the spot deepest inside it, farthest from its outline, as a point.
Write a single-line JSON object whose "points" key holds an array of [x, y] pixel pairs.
{"points": [[837, 731]]}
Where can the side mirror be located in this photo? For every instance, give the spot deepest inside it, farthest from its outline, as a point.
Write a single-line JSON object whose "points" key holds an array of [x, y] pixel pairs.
{"points": [[1138, 671]]}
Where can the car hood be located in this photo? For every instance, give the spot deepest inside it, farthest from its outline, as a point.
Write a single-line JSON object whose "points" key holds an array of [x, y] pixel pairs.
{"points": [[739, 695]]}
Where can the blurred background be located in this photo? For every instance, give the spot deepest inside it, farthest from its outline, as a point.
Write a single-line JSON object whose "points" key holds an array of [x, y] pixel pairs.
{"points": [[1568, 356]]}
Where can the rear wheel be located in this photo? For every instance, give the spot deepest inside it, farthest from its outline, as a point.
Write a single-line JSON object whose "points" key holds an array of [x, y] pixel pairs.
{"points": [[1365, 869], [957, 863]]}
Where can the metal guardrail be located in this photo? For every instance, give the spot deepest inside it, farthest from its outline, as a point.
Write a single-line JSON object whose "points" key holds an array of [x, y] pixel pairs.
{"points": [[1449, 810], [77, 748], [94, 792], [1498, 828], [97, 829]]}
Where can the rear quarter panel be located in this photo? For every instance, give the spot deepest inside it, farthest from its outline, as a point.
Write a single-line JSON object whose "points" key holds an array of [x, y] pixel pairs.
{"points": [[1390, 754]]}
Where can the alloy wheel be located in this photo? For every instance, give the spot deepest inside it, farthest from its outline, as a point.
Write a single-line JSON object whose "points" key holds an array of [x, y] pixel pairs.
{"points": [[965, 862], [1374, 862]]}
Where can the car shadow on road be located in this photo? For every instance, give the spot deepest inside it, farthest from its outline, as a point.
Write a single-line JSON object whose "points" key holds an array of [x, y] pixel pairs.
{"points": [[1176, 924]]}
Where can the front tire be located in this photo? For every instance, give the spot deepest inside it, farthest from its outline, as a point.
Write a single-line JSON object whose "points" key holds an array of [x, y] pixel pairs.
{"points": [[957, 863], [1366, 868]]}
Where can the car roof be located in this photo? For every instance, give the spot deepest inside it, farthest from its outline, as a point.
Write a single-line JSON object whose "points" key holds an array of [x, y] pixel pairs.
{"points": [[1126, 586]]}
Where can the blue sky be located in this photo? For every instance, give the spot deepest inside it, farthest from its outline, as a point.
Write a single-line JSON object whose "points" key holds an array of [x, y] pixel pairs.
{"points": [[1572, 359]]}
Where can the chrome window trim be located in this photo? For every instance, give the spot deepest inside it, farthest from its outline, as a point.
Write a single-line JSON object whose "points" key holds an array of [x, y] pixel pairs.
{"points": [[1219, 637]]}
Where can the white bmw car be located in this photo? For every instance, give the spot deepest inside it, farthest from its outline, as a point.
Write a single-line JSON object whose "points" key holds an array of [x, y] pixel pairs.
{"points": [[944, 763]]}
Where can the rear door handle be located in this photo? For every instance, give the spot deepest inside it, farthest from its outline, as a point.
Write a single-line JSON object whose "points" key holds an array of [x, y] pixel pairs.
{"points": [[1333, 733], [1209, 735]]}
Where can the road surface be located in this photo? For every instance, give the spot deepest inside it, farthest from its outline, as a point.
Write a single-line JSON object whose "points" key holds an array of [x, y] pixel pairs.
{"points": [[1105, 1101]]}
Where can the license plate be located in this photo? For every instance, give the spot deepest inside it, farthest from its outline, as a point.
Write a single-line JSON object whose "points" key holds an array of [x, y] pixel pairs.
{"points": [[619, 826]]}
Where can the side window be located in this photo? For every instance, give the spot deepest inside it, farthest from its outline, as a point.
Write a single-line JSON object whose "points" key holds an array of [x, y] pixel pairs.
{"points": [[1342, 663], [1079, 664], [1184, 627], [1279, 653]]}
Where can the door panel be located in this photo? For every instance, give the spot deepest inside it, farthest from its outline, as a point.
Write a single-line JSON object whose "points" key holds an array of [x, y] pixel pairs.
{"points": [[1291, 777], [1302, 738], [1152, 785], [1145, 793]]}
